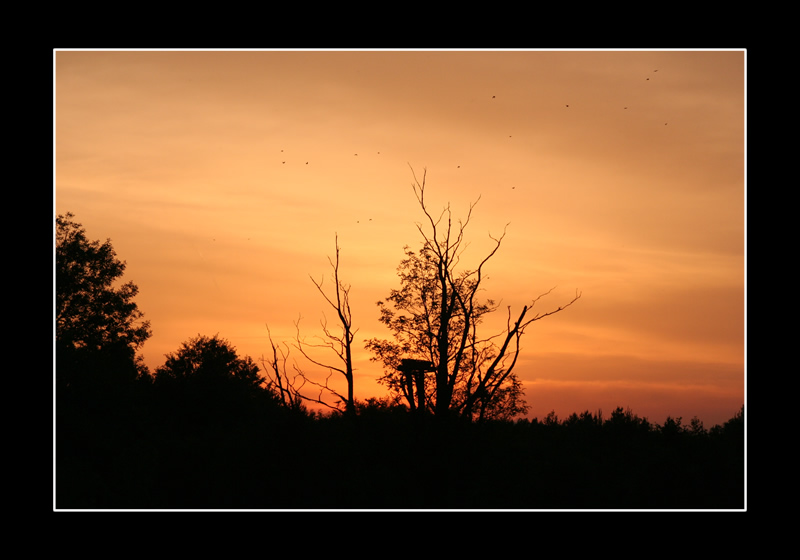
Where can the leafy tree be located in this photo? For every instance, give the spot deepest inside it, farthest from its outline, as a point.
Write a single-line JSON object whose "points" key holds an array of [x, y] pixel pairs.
{"points": [[696, 427], [209, 359], [733, 428], [206, 385], [672, 427], [100, 408], [435, 318], [98, 325]]}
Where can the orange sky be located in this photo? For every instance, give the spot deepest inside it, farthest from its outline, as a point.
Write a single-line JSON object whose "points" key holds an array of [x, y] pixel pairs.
{"points": [[222, 178]]}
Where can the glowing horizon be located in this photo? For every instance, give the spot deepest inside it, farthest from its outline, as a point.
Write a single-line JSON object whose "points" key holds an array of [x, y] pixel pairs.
{"points": [[222, 178]]}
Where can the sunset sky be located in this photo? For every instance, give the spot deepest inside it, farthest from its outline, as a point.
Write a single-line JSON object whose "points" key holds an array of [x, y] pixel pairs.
{"points": [[223, 177]]}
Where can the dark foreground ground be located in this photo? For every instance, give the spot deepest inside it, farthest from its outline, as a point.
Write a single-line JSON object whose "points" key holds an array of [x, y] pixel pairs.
{"points": [[195, 453]]}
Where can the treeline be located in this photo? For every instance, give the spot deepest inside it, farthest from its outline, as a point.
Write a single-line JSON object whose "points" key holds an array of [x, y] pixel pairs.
{"points": [[209, 430], [201, 443]]}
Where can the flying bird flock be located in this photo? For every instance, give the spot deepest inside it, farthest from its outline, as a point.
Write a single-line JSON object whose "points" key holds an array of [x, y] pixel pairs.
{"points": [[567, 105]]}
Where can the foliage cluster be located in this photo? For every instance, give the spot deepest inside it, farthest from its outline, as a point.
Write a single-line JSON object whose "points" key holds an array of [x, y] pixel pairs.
{"points": [[98, 326]]}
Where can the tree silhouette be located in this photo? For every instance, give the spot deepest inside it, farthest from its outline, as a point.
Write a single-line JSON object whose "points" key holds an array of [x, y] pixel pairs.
{"points": [[278, 378], [99, 327], [101, 392], [207, 382], [435, 317], [209, 359], [340, 343]]}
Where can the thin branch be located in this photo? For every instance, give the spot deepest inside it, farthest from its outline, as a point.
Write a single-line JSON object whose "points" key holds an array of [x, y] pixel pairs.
{"points": [[322, 389], [543, 315], [302, 342], [288, 393], [341, 345]]}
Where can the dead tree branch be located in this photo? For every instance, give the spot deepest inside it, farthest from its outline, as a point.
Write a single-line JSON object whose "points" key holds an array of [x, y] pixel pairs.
{"points": [[340, 344]]}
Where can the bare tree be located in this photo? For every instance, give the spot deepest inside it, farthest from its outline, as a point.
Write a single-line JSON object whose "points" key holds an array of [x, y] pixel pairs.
{"points": [[435, 318], [340, 343], [278, 379]]}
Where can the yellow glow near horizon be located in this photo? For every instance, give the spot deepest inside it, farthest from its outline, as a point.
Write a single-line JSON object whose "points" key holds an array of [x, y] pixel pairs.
{"points": [[223, 177]]}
